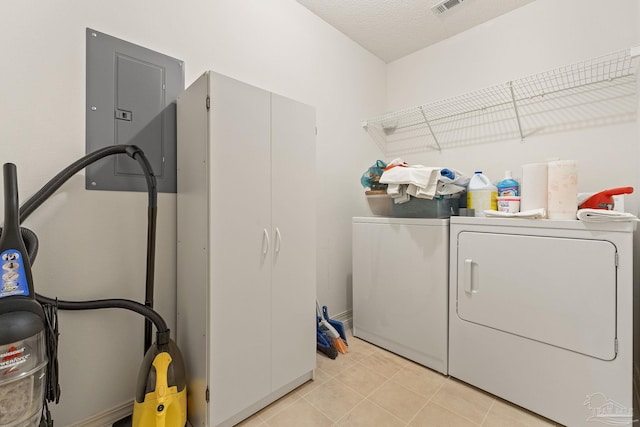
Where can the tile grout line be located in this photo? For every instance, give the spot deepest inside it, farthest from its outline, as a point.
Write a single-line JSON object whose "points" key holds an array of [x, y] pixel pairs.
{"points": [[324, 413], [265, 420], [365, 397], [387, 411], [416, 393], [369, 369], [402, 367], [390, 379], [428, 401], [335, 377], [349, 411], [489, 410], [493, 401], [450, 378]]}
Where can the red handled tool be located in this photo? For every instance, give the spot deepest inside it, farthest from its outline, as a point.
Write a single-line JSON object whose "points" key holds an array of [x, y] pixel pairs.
{"points": [[604, 199]]}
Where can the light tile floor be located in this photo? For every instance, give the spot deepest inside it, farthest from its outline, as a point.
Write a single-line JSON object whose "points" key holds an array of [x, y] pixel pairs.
{"points": [[371, 387]]}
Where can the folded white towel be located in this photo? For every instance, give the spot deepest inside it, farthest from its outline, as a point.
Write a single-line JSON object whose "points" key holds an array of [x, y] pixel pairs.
{"points": [[531, 214], [603, 215], [402, 196], [419, 176], [428, 192], [393, 190], [422, 181]]}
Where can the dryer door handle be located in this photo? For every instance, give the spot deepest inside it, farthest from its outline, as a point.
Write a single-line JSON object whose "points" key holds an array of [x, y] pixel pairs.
{"points": [[467, 277]]}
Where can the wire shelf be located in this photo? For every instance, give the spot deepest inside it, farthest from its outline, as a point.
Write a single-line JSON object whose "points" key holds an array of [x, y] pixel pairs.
{"points": [[596, 92]]}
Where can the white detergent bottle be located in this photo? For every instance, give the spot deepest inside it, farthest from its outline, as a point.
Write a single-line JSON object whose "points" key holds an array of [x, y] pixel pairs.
{"points": [[481, 194]]}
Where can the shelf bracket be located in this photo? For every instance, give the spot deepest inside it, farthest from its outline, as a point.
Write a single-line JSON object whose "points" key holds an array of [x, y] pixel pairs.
{"points": [[430, 130], [515, 107]]}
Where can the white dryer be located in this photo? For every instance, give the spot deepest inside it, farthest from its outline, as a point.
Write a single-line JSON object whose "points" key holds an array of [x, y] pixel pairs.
{"points": [[541, 314]]}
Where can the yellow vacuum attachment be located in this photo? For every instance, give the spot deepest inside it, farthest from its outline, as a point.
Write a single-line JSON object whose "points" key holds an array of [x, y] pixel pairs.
{"points": [[164, 404]]}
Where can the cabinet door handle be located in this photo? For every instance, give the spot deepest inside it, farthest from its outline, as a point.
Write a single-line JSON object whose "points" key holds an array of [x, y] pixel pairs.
{"points": [[265, 241], [468, 277], [278, 240]]}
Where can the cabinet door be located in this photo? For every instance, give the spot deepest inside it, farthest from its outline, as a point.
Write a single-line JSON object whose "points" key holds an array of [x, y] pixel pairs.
{"points": [[557, 291], [293, 225], [240, 239]]}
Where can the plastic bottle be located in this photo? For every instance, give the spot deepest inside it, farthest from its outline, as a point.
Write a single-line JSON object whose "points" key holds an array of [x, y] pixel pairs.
{"points": [[481, 194], [508, 186]]}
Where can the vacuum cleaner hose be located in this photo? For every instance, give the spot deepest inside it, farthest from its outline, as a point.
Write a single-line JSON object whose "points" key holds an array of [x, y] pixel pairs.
{"points": [[56, 182], [63, 176], [162, 335], [30, 242]]}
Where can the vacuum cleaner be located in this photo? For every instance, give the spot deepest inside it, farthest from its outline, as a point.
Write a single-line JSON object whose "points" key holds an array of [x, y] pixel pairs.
{"points": [[29, 327], [23, 358]]}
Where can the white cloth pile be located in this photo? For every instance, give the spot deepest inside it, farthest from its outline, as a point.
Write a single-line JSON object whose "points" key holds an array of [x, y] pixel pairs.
{"points": [[530, 214], [603, 215], [424, 182], [586, 215]]}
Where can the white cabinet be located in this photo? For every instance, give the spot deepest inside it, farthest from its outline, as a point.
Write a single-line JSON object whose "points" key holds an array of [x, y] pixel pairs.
{"points": [[541, 314], [400, 283], [246, 247]]}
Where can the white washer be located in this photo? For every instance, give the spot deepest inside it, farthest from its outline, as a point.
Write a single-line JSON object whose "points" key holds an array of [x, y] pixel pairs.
{"points": [[400, 286], [541, 314]]}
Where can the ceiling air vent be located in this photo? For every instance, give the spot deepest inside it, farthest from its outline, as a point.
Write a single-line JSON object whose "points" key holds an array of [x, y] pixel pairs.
{"points": [[444, 6]]}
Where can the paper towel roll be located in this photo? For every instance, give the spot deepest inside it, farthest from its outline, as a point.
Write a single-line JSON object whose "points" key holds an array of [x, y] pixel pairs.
{"points": [[533, 188], [562, 189]]}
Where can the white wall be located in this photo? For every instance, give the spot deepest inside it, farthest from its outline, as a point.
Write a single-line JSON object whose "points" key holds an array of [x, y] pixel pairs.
{"points": [[92, 244], [540, 36]]}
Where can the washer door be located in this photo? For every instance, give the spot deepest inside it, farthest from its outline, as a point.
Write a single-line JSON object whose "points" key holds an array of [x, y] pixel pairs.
{"points": [[558, 291]]}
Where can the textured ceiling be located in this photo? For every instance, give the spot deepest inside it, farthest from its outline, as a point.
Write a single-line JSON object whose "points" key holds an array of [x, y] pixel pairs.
{"points": [[391, 29]]}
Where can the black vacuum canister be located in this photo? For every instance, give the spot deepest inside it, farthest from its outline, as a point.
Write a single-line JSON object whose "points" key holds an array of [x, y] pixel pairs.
{"points": [[23, 359]]}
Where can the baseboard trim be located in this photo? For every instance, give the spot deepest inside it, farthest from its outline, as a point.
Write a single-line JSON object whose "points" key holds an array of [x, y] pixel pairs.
{"points": [[108, 417], [345, 317]]}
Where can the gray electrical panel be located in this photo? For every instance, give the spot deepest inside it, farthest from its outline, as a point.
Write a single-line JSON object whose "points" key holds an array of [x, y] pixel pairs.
{"points": [[131, 99]]}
